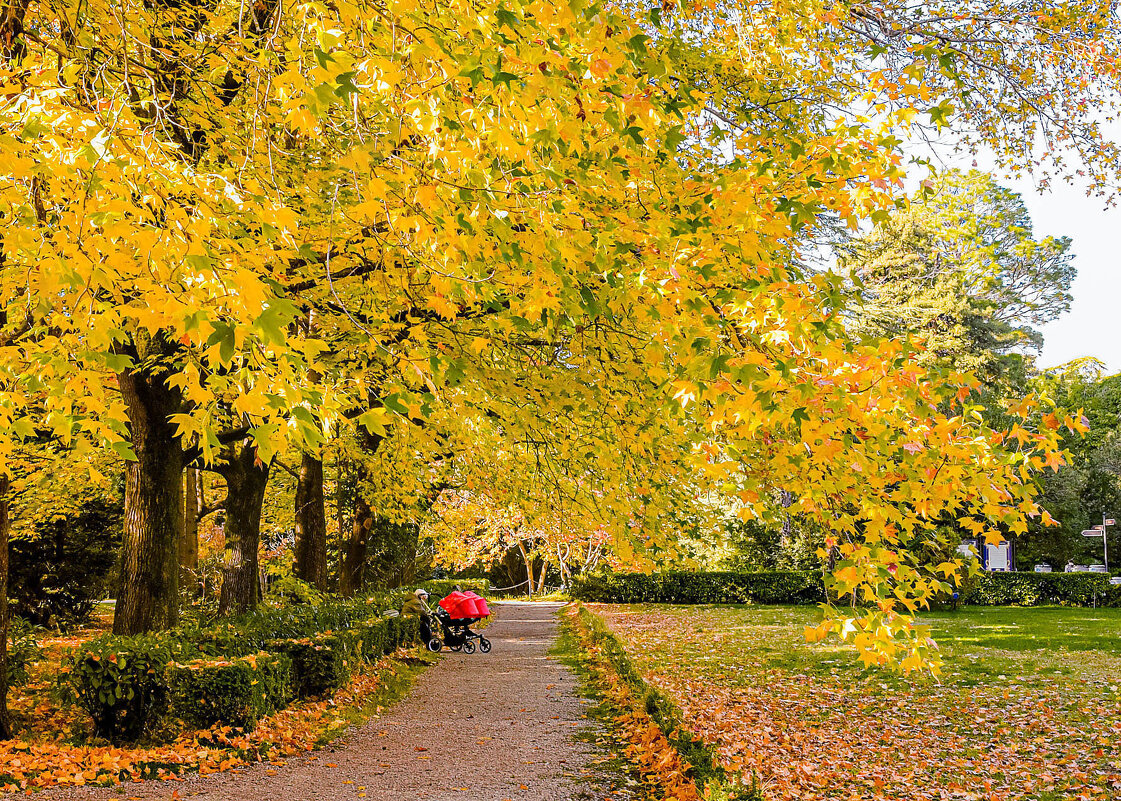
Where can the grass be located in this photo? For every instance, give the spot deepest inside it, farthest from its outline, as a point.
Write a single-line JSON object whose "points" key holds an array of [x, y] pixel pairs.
{"points": [[611, 774], [1028, 706]]}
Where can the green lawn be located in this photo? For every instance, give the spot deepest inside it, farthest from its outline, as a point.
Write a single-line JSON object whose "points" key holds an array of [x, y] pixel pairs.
{"points": [[1027, 706]]}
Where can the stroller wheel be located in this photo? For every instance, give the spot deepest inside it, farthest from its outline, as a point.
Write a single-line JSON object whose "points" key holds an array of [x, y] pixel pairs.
{"points": [[468, 647], [484, 645], [435, 644]]}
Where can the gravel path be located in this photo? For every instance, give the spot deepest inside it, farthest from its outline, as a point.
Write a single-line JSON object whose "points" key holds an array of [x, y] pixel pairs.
{"points": [[475, 727]]}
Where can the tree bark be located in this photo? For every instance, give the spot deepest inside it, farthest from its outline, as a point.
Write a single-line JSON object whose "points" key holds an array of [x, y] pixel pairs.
{"points": [[541, 581], [246, 479], [149, 597], [354, 557], [352, 567], [5, 717], [189, 544], [528, 569], [311, 524]]}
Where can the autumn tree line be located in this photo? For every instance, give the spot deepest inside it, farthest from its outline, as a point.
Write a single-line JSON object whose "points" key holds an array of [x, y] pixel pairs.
{"points": [[545, 267]]}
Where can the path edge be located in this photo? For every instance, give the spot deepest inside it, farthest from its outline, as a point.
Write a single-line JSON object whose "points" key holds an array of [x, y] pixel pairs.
{"points": [[681, 762]]}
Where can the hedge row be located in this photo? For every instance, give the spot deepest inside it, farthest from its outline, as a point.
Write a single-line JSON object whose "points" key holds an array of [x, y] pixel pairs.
{"points": [[1040, 589], [682, 587], [233, 672], [704, 768], [984, 589]]}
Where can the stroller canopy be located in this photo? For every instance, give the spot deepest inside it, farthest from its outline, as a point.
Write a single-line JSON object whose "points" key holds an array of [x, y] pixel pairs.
{"points": [[464, 605]]}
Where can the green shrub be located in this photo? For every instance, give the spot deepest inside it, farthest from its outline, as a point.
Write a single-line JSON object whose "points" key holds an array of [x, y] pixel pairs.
{"points": [[384, 635], [237, 692], [1037, 589], [121, 681], [58, 573], [23, 649], [682, 587], [320, 664]]}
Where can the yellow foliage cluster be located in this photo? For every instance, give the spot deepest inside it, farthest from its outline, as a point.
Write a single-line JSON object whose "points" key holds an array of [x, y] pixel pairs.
{"points": [[574, 230]]}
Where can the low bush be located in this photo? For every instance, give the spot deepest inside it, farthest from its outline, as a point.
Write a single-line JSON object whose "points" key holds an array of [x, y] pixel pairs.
{"points": [[703, 767], [384, 635], [121, 681], [682, 587], [1039, 589], [23, 649], [320, 664], [237, 692]]}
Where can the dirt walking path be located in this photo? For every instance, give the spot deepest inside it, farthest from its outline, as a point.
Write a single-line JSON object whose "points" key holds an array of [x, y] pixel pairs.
{"points": [[474, 728]]}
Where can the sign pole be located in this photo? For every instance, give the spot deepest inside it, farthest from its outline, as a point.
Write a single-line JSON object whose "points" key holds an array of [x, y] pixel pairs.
{"points": [[1105, 541]]}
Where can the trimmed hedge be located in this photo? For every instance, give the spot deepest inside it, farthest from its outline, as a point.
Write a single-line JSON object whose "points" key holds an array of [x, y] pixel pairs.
{"points": [[237, 692], [320, 664], [983, 589], [1040, 589], [121, 681], [704, 768], [682, 587], [125, 683]]}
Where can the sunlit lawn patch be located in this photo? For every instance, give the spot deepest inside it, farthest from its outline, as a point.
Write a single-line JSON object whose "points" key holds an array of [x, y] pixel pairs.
{"points": [[1028, 706]]}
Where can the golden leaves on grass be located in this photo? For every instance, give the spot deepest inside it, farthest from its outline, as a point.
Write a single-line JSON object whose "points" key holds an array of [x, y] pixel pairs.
{"points": [[780, 711], [647, 745]]}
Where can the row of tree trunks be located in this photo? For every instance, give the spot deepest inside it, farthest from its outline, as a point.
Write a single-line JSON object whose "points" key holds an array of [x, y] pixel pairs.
{"points": [[246, 479], [311, 523]]}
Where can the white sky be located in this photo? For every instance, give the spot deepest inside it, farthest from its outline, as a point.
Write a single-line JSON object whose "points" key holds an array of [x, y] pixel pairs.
{"points": [[1090, 327]]}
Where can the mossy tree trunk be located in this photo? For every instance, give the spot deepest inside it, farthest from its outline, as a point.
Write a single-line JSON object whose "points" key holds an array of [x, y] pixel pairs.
{"points": [[311, 523], [149, 597], [246, 479]]}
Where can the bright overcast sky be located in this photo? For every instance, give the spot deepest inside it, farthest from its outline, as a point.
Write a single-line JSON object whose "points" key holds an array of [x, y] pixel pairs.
{"points": [[1090, 328]]}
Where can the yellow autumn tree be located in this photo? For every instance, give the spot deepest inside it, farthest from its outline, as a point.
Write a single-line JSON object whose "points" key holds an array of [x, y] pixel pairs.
{"points": [[230, 227]]}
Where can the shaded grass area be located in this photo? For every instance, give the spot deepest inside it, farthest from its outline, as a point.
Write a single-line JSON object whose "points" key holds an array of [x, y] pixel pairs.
{"points": [[1027, 706]]}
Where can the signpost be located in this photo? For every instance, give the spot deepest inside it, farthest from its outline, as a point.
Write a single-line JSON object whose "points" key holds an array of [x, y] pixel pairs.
{"points": [[1101, 531]]}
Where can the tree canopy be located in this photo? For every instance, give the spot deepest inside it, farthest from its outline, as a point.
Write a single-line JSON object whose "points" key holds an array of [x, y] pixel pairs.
{"points": [[233, 231]]}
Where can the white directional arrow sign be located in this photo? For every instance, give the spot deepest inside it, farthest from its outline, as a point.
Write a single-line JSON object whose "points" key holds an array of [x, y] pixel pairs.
{"points": [[1092, 532]]}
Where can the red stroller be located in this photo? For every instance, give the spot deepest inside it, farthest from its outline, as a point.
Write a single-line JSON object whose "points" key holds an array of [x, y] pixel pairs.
{"points": [[455, 614]]}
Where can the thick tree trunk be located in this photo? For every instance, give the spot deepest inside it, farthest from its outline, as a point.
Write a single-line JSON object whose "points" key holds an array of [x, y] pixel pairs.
{"points": [[246, 480], [311, 523], [5, 718], [149, 597], [353, 569], [189, 544]]}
